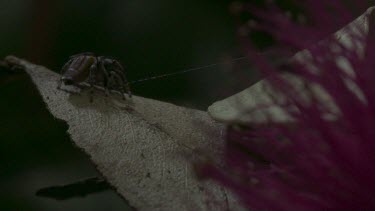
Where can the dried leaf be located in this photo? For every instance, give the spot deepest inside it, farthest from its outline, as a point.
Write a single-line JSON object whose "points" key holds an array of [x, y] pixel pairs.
{"points": [[141, 146]]}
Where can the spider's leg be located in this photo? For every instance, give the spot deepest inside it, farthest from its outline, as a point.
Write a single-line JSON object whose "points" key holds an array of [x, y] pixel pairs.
{"points": [[105, 74], [93, 68], [113, 80], [118, 72], [59, 82], [62, 71], [120, 81], [121, 72]]}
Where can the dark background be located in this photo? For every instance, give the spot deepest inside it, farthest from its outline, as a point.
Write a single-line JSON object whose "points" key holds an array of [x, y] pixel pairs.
{"points": [[148, 37]]}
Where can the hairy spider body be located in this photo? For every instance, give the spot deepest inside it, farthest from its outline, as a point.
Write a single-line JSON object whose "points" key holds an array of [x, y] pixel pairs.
{"points": [[95, 70]]}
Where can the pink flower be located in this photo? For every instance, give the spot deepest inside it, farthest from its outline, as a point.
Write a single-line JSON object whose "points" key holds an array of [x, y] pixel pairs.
{"points": [[324, 158]]}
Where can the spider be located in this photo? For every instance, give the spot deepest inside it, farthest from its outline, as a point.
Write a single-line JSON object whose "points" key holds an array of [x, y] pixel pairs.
{"points": [[96, 71]]}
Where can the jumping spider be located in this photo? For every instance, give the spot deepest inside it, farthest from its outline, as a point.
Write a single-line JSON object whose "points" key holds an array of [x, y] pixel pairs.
{"points": [[96, 71]]}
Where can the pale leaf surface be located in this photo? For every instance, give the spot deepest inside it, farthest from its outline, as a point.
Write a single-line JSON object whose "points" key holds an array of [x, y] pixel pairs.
{"points": [[143, 147]]}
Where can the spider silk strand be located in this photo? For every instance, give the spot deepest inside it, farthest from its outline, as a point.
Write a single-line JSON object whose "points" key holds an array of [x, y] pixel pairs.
{"points": [[187, 70]]}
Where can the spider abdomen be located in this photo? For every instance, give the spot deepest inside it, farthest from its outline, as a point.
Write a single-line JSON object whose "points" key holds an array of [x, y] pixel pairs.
{"points": [[79, 69]]}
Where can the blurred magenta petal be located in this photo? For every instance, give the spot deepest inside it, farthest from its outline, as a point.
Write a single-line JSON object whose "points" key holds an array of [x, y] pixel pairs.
{"points": [[313, 163]]}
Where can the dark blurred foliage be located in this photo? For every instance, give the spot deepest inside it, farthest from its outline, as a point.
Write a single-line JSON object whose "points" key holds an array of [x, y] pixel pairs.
{"points": [[148, 37]]}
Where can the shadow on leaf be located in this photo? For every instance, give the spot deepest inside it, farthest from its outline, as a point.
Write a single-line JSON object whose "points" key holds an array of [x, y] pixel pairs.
{"points": [[77, 189]]}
